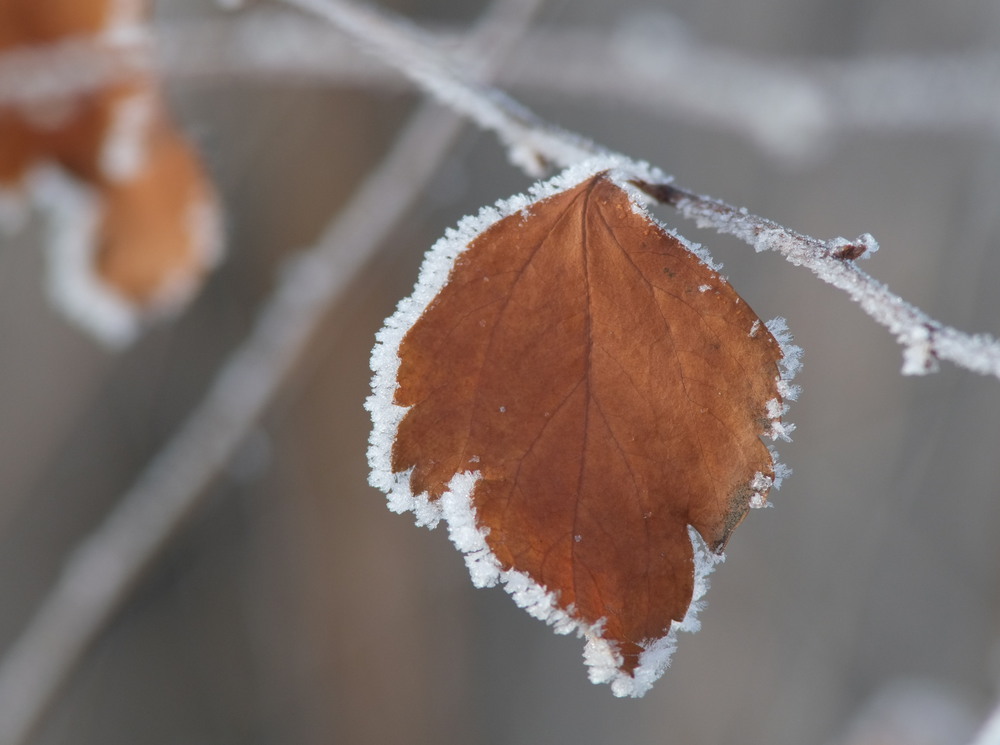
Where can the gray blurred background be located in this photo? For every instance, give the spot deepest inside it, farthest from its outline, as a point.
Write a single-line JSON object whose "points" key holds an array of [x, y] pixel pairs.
{"points": [[294, 609]]}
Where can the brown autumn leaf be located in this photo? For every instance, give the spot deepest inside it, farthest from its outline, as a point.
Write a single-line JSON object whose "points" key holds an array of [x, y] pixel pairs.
{"points": [[610, 390], [71, 131], [137, 219], [158, 230], [24, 22]]}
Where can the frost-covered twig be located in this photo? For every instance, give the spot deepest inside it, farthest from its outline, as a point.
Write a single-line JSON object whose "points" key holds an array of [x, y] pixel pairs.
{"points": [[791, 108], [924, 340], [99, 574], [531, 142]]}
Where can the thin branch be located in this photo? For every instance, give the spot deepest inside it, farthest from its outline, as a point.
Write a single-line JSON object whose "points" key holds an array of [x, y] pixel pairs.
{"points": [[100, 573], [924, 340], [534, 142], [531, 142], [792, 108]]}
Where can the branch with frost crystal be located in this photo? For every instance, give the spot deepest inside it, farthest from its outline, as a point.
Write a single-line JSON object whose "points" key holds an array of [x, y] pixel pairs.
{"points": [[925, 341], [532, 143], [789, 107]]}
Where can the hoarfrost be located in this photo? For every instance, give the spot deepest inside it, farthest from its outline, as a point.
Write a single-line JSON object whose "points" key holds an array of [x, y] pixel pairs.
{"points": [[603, 659], [73, 212], [788, 368], [781, 471], [769, 240], [791, 361], [918, 352], [861, 247], [868, 241], [125, 147]]}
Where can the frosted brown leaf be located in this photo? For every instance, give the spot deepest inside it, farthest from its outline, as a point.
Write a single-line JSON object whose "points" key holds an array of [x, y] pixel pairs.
{"points": [[610, 389], [148, 228]]}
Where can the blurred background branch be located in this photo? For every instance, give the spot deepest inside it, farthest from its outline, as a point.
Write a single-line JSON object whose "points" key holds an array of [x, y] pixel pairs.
{"points": [[793, 107]]}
